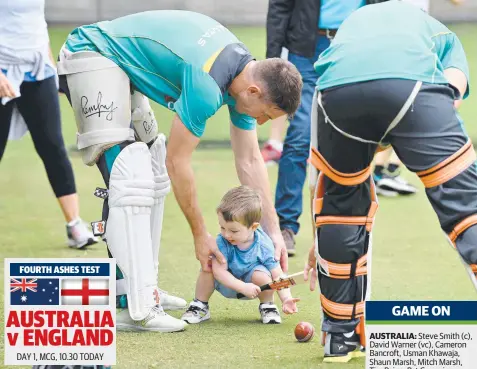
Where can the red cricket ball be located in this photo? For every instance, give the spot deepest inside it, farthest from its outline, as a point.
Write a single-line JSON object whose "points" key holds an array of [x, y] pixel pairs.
{"points": [[304, 332]]}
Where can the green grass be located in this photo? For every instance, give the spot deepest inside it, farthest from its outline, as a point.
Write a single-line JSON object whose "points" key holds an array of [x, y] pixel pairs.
{"points": [[411, 258]]}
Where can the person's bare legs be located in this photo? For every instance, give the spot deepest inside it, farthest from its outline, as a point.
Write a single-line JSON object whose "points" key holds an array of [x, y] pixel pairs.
{"points": [[198, 310], [69, 205], [205, 286], [268, 311], [382, 157], [387, 175], [78, 234], [393, 159], [260, 278]]}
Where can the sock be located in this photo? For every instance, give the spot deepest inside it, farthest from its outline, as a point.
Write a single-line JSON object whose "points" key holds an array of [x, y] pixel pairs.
{"points": [[74, 222], [277, 145], [393, 169], [202, 302], [265, 303], [378, 171]]}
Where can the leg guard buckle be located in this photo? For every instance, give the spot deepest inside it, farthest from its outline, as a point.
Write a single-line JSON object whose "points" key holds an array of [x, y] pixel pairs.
{"points": [[344, 271]]}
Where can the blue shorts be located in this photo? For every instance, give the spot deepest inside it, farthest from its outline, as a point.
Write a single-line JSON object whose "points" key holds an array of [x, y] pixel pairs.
{"points": [[247, 278]]}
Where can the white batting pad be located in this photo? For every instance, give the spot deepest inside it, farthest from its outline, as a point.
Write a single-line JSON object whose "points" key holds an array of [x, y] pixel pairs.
{"points": [[162, 187], [131, 197]]}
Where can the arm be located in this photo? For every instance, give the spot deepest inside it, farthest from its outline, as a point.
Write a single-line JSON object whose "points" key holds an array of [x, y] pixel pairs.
{"points": [[252, 172], [457, 79], [181, 145], [222, 275], [278, 16], [288, 302], [6, 89], [226, 278], [454, 62], [284, 294]]}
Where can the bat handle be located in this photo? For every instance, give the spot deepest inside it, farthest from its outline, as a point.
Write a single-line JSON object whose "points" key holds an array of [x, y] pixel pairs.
{"points": [[262, 288]]}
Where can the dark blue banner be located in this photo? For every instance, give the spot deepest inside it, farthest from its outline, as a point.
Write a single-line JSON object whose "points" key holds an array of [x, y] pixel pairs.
{"points": [[421, 310], [59, 269]]}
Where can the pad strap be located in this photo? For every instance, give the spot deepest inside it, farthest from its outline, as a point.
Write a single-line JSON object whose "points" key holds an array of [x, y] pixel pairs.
{"points": [[345, 179], [462, 227], [344, 271], [342, 311], [359, 267], [473, 267], [366, 220], [450, 167], [360, 330]]}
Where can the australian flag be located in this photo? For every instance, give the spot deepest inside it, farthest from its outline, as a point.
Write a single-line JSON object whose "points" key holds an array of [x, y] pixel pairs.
{"points": [[34, 291]]}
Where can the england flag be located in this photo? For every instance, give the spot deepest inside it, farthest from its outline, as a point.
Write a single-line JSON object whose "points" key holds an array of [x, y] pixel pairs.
{"points": [[85, 291]]}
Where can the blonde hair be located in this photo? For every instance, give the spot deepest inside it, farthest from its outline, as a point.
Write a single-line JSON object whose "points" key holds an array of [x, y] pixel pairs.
{"points": [[241, 204]]}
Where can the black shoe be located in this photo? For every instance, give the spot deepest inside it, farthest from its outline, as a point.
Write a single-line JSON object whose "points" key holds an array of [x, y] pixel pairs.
{"points": [[340, 349]]}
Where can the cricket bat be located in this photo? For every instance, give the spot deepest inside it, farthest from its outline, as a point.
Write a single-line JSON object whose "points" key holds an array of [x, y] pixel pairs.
{"points": [[281, 283]]}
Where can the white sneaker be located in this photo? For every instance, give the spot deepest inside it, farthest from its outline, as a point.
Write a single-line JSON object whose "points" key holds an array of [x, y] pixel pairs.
{"points": [[196, 313], [156, 321], [78, 235], [170, 302], [270, 314], [387, 185]]}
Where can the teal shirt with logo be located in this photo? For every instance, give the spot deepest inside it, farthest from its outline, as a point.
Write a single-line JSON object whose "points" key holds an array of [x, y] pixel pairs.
{"points": [[183, 60], [390, 40]]}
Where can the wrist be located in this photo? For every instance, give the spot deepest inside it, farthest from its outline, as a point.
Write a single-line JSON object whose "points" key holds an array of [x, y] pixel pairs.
{"points": [[199, 232], [240, 286], [275, 236]]}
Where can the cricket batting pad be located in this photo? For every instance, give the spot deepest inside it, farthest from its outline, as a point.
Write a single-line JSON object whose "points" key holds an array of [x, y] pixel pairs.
{"points": [[131, 197], [162, 186], [101, 100]]}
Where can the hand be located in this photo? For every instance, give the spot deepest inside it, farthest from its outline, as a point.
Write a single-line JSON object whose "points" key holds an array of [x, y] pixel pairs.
{"points": [[250, 290], [311, 267], [289, 305], [280, 251], [205, 249], [6, 89]]}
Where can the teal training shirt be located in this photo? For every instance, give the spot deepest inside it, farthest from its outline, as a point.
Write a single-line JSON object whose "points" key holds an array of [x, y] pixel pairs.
{"points": [[183, 60], [390, 40]]}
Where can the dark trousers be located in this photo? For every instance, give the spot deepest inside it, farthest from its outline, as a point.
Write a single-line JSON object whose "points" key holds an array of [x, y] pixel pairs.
{"points": [[39, 106], [429, 132]]}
